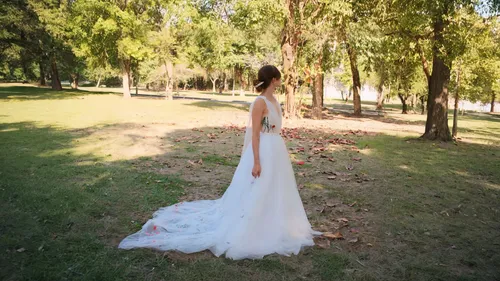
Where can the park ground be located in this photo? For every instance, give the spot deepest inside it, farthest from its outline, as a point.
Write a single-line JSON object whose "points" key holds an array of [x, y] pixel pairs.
{"points": [[81, 170]]}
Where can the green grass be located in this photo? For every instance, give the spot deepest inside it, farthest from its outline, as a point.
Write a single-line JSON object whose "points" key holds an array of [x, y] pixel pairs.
{"points": [[216, 159], [70, 192]]}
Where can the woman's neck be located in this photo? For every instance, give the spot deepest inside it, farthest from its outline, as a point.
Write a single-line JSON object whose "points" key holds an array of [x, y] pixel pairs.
{"points": [[268, 93]]}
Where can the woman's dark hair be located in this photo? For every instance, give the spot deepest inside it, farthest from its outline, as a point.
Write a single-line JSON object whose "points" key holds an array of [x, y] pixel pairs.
{"points": [[265, 76]]}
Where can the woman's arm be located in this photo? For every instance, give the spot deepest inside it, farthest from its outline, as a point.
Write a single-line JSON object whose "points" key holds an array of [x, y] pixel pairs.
{"points": [[259, 109]]}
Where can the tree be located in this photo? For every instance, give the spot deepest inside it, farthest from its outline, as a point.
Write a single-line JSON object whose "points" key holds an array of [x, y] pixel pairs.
{"points": [[438, 23], [24, 42], [114, 33]]}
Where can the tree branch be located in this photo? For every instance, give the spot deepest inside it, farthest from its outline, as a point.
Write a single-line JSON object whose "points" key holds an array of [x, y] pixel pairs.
{"points": [[425, 64]]}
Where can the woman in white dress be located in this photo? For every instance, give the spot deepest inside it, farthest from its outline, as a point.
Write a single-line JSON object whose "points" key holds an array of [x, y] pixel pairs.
{"points": [[261, 211]]}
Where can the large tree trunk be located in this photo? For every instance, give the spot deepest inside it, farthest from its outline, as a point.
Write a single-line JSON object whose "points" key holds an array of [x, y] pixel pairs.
{"points": [[169, 73], [317, 102], [289, 44], [493, 98], [356, 82], [403, 99], [125, 65], [42, 73], [74, 83], [56, 82], [436, 127], [380, 95]]}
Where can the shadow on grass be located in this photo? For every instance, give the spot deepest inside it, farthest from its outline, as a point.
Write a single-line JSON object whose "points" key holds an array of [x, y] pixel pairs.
{"points": [[332, 114], [68, 210], [35, 93]]}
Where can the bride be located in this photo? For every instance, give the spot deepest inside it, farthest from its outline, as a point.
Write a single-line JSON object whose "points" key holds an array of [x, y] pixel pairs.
{"points": [[259, 214]]}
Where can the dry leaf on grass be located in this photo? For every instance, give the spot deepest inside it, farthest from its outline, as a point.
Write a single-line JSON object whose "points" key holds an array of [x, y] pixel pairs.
{"points": [[353, 240], [336, 235], [322, 243]]}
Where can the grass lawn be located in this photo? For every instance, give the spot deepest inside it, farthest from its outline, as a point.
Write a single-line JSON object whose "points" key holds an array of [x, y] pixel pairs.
{"points": [[82, 170]]}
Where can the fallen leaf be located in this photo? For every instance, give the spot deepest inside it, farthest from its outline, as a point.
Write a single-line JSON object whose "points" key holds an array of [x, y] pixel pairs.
{"points": [[354, 240], [356, 159], [343, 220], [354, 203], [332, 177], [331, 159], [300, 162], [322, 243], [20, 250], [336, 235], [369, 244]]}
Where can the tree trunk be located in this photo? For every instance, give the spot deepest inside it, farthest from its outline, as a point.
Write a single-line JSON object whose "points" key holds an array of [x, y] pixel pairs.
{"points": [[317, 102], [125, 65], [493, 98], [213, 85], [250, 84], [454, 130], [413, 102], [226, 84], [289, 44], [436, 127], [403, 102], [234, 80], [42, 73], [74, 83], [356, 83], [98, 81], [56, 82], [169, 73], [380, 95], [422, 104]]}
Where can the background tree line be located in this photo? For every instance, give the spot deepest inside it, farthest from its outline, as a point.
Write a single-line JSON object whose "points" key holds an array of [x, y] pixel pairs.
{"points": [[420, 51]]}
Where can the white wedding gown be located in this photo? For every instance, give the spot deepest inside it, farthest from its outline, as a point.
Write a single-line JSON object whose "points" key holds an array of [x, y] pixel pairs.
{"points": [[254, 217]]}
